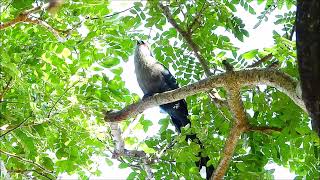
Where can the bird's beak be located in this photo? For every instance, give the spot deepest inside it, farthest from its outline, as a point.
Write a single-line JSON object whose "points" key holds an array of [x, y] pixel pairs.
{"points": [[139, 42]]}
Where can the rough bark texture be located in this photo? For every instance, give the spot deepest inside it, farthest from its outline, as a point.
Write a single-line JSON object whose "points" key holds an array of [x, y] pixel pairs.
{"points": [[271, 77], [308, 49], [240, 125]]}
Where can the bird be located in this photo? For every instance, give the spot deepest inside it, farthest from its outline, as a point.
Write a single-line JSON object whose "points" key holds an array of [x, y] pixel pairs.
{"points": [[153, 77]]}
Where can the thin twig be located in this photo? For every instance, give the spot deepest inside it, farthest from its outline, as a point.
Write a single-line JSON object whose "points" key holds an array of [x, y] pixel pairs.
{"points": [[262, 60], [31, 170], [6, 88], [44, 24], [113, 14], [5, 9], [187, 37], [16, 127], [65, 91], [292, 31], [196, 19], [27, 161], [116, 13], [265, 129], [23, 16], [10, 128]]}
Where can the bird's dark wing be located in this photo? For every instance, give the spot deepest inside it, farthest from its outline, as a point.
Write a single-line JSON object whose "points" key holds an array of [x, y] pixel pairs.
{"points": [[170, 80], [177, 110]]}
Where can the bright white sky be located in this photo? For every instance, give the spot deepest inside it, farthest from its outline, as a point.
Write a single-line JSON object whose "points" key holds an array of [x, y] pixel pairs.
{"points": [[259, 38]]}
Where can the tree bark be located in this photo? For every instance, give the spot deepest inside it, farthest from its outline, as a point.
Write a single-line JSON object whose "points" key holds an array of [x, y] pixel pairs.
{"points": [[308, 51]]}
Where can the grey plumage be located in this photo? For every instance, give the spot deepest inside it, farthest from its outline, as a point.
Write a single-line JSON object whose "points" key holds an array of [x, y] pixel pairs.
{"points": [[153, 78]]}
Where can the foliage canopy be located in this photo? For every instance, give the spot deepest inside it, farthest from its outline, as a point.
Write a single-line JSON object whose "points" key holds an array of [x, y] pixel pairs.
{"points": [[58, 72]]}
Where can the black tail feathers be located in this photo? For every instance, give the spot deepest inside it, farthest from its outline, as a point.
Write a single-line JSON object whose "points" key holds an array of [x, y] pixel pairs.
{"points": [[179, 115], [203, 160], [209, 169]]}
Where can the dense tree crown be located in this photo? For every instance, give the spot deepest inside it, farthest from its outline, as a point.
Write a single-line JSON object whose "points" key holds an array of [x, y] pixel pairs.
{"points": [[61, 67]]}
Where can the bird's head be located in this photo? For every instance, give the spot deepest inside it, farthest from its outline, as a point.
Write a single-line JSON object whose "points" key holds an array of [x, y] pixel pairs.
{"points": [[143, 48]]}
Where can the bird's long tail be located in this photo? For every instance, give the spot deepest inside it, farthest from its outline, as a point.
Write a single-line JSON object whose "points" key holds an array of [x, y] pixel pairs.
{"points": [[179, 116]]}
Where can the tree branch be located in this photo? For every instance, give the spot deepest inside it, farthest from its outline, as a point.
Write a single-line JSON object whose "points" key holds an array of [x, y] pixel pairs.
{"points": [[119, 12], [117, 139], [148, 170], [187, 37], [23, 16], [292, 31], [31, 170], [262, 60], [44, 24], [265, 129], [28, 161], [120, 150], [56, 102], [240, 125], [249, 77], [14, 128], [196, 19], [5, 89]]}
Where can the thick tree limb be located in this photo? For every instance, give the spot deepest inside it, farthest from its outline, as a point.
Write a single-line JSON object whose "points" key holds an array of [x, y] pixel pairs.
{"points": [[252, 77], [232, 81], [120, 150], [117, 139], [240, 125], [308, 52]]}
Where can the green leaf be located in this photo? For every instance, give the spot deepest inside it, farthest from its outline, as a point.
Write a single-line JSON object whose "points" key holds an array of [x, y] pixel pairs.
{"points": [[108, 63], [146, 124], [117, 71], [48, 163], [241, 167], [123, 165], [109, 162], [132, 175], [164, 124], [130, 140], [18, 4], [26, 142], [61, 153], [250, 54]]}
